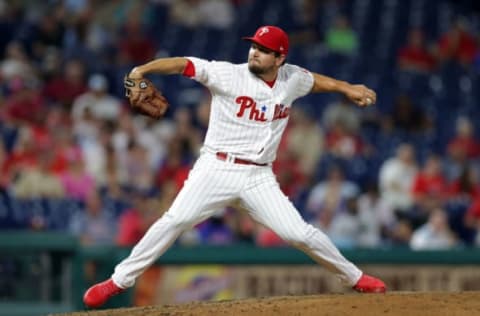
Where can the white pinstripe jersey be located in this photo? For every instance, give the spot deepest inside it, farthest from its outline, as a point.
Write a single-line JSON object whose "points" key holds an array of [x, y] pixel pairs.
{"points": [[247, 116]]}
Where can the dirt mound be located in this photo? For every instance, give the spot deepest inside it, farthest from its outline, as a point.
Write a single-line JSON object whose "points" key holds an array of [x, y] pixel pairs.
{"points": [[398, 303]]}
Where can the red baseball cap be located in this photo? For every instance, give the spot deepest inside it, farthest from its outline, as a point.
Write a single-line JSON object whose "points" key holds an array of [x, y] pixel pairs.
{"points": [[271, 37]]}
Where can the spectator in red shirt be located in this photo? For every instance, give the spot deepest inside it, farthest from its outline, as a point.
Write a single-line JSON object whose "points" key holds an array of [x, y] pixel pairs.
{"points": [[135, 46], [5, 176], [64, 148], [464, 139], [466, 186], [289, 174], [342, 142], [472, 219], [414, 56], [474, 210], [457, 45], [67, 86], [267, 238], [25, 104], [173, 168], [430, 186], [23, 154], [134, 222]]}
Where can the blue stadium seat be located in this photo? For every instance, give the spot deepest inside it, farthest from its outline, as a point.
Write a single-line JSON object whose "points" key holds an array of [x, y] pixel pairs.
{"points": [[456, 210], [60, 212], [115, 207], [9, 135], [20, 212], [6, 218]]}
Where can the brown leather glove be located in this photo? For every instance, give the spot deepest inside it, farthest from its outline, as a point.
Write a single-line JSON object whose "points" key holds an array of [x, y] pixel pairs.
{"points": [[144, 97]]}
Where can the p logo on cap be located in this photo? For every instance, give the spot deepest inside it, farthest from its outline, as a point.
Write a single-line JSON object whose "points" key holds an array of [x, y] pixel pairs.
{"points": [[263, 30], [271, 37]]}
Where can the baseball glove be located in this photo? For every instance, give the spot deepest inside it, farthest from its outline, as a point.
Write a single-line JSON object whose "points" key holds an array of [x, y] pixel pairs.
{"points": [[144, 97]]}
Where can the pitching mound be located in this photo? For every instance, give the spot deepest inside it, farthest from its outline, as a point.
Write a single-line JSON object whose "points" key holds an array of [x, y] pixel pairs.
{"points": [[402, 304]]}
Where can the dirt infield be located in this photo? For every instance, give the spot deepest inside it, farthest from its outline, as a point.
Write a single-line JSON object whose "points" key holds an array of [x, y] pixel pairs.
{"points": [[402, 304]]}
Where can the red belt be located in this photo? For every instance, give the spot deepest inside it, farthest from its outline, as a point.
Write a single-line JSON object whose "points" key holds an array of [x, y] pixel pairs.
{"points": [[223, 156]]}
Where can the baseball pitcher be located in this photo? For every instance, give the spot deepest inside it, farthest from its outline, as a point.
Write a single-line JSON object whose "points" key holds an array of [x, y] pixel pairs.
{"points": [[249, 111]]}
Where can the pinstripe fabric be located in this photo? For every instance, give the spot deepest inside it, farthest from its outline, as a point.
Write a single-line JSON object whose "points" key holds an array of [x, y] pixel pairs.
{"points": [[211, 185], [247, 121], [243, 136], [268, 205]]}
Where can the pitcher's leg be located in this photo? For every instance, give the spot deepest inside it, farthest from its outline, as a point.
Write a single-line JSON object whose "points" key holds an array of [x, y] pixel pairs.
{"points": [[269, 206], [154, 243], [200, 197], [211, 184]]}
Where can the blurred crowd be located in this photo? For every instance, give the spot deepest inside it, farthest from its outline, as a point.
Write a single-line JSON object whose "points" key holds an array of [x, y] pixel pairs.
{"points": [[76, 159]]}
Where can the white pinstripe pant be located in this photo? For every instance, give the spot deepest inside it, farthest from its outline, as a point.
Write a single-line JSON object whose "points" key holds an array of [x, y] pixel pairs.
{"points": [[211, 185]]}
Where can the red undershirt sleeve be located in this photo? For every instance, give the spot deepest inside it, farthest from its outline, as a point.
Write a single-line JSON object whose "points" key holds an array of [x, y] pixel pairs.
{"points": [[189, 70]]}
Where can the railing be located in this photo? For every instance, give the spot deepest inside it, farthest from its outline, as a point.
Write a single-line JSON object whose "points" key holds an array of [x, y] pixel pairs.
{"points": [[51, 277]]}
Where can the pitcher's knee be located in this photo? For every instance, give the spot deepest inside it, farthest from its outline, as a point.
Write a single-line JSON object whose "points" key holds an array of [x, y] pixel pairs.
{"points": [[175, 221], [295, 238], [299, 236]]}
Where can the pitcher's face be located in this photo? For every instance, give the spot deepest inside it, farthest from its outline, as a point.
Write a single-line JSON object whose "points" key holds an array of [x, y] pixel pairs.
{"points": [[261, 60]]}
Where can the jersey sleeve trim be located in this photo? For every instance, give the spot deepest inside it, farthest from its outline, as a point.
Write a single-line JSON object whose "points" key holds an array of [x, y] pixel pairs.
{"points": [[189, 70]]}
